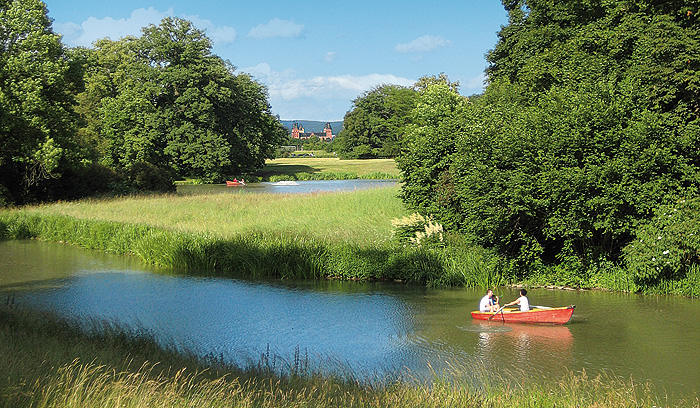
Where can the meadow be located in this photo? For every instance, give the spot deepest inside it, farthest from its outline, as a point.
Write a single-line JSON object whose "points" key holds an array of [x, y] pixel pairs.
{"points": [[343, 235], [362, 218], [315, 168]]}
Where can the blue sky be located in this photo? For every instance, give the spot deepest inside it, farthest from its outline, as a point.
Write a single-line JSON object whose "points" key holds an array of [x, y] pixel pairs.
{"points": [[314, 57]]}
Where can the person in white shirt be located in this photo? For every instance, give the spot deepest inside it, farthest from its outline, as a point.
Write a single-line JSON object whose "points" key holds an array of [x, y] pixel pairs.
{"points": [[522, 301], [488, 303]]}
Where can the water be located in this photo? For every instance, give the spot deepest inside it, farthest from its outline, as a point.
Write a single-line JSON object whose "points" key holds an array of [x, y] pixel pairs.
{"points": [[374, 330], [283, 187]]}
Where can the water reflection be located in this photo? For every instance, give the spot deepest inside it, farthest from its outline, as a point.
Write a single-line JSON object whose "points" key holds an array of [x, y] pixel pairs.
{"points": [[526, 345]]}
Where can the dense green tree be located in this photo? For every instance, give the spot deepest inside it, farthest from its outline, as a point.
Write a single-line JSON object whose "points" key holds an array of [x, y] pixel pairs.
{"points": [[36, 98], [373, 127], [165, 100], [589, 123], [429, 146]]}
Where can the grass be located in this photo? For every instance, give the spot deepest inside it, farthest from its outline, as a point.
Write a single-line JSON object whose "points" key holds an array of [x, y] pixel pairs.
{"points": [[344, 235], [304, 166], [47, 362], [362, 218]]}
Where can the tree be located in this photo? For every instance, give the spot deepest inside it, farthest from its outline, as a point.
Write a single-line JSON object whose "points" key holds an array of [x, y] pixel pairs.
{"points": [[36, 98], [428, 151], [372, 128], [589, 123], [165, 100]]}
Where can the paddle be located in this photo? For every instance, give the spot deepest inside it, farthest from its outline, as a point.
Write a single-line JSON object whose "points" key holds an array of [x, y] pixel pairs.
{"points": [[491, 317], [540, 307]]}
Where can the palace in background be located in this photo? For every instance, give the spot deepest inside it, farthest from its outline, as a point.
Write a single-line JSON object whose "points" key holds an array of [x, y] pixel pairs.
{"points": [[299, 133]]}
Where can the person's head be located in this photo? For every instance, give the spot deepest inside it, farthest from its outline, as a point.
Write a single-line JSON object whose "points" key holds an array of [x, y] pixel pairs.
{"points": [[523, 292], [489, 293]]}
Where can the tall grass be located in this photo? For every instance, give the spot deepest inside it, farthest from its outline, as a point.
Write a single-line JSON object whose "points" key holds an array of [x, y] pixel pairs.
{"points": [[47, 362], [358, 217], [257, 254], [345, 235]]}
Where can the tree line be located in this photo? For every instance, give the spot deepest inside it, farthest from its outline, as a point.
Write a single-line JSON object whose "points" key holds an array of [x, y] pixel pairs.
{"points": [[581, 155], [131, 114]]}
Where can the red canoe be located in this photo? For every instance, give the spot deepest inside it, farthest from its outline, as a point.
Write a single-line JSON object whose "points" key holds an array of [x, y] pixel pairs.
{"points": [[234, 183], [554, 315]]}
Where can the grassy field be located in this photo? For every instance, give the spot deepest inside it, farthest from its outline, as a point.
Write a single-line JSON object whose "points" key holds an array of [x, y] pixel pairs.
{"points": [[46, 362], [359, 217], [343, 235], [312, 165]]}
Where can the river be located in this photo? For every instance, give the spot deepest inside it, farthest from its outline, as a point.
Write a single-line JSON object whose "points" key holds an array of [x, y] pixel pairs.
{"points": [[287, 187], [370, 330]]}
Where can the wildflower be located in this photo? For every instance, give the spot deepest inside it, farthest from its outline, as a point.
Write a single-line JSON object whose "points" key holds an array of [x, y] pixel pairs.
{"points": [[659, 237], [653, 259], [666, 252]]}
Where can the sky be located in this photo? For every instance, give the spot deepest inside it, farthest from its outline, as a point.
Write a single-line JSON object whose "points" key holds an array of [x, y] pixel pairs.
{"points": [[315, 58]]}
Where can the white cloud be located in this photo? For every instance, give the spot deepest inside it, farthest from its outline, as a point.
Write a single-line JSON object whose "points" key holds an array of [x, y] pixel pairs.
{"points": [[316, 98], [92, 29], [287, 86], [425, 43], [476, 83], [85, 33], [330, 57], [276, 28], [218, 34]]}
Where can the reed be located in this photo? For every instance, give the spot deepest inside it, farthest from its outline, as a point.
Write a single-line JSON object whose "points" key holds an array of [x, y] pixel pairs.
{"points": [[48, 362]]}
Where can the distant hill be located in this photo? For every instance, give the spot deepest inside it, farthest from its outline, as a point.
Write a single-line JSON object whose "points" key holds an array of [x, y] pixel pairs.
{"points": [[313, 126]]}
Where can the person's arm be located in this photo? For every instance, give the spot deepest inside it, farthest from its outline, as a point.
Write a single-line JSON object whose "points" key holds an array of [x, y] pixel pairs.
{"points": [[515, 302]]}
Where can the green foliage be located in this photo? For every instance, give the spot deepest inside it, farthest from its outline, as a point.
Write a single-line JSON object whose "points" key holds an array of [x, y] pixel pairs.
{"points": [[165, 100], [589, 123], [36, 98], [372, 129], [428, 150], [145, 176], [666, 247]]}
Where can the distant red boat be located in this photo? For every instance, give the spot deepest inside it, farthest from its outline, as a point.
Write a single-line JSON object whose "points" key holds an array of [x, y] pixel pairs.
{"points": [[553, 315], [234, 183]]}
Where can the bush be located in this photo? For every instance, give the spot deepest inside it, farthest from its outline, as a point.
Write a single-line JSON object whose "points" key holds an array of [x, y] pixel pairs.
{"points": [[5, 198], [668, 246], [281, 177], [148, 177]]}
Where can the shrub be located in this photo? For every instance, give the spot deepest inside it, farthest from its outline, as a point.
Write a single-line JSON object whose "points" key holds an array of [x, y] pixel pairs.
{"points": [[5, 199], [668, 246], [281, 177], [148, 177]]}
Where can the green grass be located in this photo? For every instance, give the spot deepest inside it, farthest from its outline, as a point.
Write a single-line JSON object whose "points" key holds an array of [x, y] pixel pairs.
{"points": [[47, 362], [345, 235], [306, 168], [362, 218], [331, 235]]}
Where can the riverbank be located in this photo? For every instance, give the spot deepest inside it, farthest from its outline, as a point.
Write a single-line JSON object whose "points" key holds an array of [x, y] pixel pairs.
{"points": [[47, 362], [342, 235], [333, 235]]}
